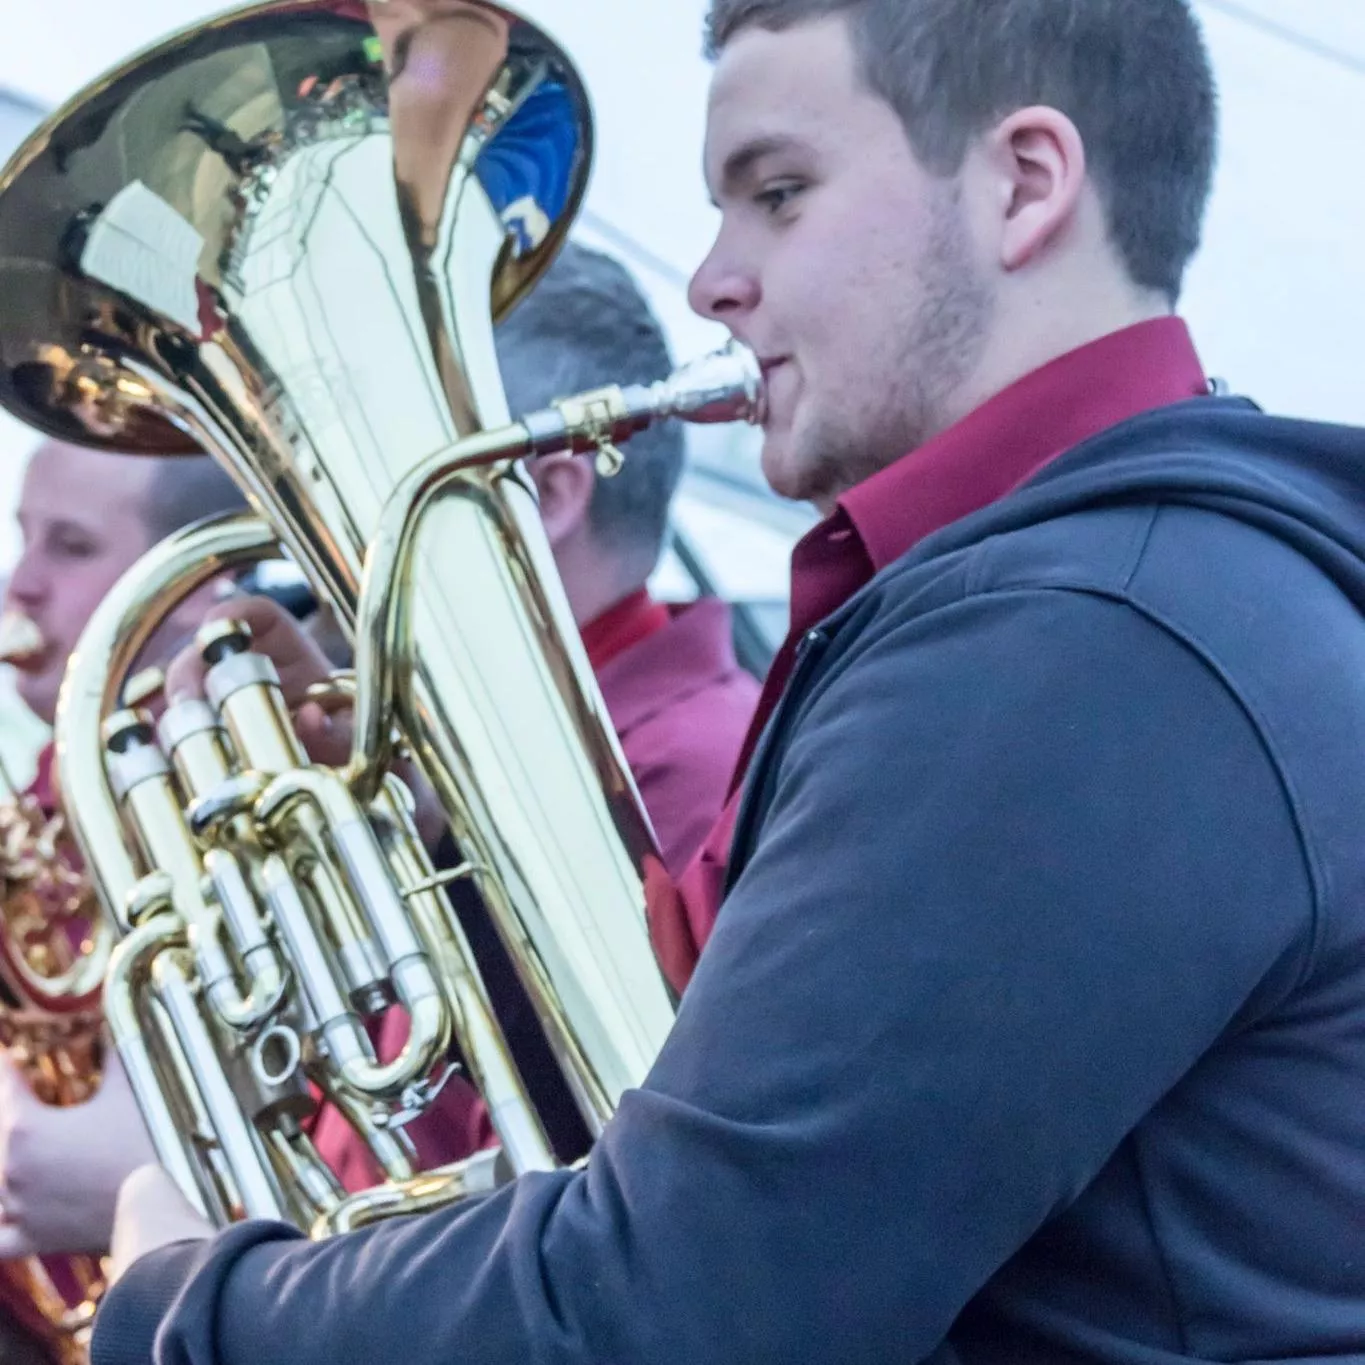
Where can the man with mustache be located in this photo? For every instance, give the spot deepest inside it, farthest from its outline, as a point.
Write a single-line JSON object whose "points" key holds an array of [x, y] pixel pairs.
{"points": [[85, 517]]}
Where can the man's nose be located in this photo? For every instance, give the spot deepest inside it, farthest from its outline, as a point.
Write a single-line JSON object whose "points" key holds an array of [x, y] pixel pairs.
{"points": [[722, 288], [27, 584]]}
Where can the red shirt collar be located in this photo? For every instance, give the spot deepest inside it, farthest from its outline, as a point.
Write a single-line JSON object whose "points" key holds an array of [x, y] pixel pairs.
{"points": [[1009, 438], [631, 620], [990, 452], [43, 788]]}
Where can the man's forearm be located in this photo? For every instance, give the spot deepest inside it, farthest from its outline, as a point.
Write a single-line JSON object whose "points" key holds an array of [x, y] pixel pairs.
{"points": [[167, 1286]]}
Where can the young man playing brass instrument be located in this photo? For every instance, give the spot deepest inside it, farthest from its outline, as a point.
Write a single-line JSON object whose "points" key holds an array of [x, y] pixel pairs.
{"points": [[1032, 1026]]}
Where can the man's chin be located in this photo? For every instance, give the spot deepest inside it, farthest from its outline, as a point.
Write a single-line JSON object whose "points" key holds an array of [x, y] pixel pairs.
{"points": [[791, 476], [39, 694]]}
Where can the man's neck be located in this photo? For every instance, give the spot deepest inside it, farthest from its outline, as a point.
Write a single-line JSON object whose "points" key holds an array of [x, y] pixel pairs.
{"points": [[1005, 362], [594, 605], [1032, 336], [594, 581]]}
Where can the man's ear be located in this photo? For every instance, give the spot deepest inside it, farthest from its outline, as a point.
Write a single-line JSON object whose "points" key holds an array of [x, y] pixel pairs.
{"points": [[1036, 158], [565, 484]]}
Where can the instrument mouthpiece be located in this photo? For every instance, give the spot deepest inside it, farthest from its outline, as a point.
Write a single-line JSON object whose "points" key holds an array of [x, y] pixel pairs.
{"points": [[724, 386]]}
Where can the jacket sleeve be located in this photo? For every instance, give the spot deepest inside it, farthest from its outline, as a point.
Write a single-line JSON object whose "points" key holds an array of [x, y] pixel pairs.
{"points": [[1026, 861]]}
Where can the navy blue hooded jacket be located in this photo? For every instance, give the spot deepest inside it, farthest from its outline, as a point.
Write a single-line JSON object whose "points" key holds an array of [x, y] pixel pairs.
{"points": [[1033, 1026]]}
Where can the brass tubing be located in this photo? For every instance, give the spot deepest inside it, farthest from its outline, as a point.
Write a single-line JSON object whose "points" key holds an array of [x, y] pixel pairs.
{"points": [[346, 833], [482, 1043], [129, 970], [112, 639]]}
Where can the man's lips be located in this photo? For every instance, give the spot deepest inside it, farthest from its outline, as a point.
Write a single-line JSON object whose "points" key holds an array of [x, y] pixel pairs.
{"points": [[770, 366], [32, 664]]}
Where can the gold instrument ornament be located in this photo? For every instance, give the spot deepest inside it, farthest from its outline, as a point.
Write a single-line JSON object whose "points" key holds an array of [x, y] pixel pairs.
{"points": [[285, 236], [53, 947]]}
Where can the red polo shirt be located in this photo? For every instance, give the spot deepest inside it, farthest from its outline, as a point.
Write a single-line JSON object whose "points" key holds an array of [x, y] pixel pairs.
{"points": [[993, 450], [680, 704]]}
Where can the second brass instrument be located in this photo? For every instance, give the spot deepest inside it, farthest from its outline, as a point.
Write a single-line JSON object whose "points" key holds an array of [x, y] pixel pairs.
{"points": [[51, 958], [285, 235], [54, 948]]}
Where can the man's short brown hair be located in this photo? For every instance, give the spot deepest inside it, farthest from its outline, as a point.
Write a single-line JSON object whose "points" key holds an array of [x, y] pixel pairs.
{"points": [[184, 488], [1133, 75], [586, 324]]}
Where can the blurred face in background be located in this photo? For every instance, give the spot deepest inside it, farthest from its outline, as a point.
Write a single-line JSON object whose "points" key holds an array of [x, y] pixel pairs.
{"points": [[81, 521]]}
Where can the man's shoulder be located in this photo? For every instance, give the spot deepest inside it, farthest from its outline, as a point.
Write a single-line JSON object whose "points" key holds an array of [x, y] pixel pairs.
{"points": [[680, 676], [1231, 587], [1204, 473], [696, 727], [1277, 628], [681, 706], [1189, 537], [682, 756], [1275, 621]]}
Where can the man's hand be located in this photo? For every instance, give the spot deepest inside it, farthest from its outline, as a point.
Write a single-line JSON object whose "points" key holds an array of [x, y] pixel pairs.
{"points": [[152, 1213], [61, 1168], [298, 660]]}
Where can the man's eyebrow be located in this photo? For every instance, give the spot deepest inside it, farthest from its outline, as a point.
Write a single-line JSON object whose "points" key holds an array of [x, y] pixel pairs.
{"points": [[740, 163], [67, 524]]}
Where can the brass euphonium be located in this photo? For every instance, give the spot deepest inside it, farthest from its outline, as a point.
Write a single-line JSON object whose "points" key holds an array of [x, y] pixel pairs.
{"points": [[284, 236]]}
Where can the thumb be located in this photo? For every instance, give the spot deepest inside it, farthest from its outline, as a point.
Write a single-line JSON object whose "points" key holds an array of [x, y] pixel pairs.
{"points": [[152, 1212]]}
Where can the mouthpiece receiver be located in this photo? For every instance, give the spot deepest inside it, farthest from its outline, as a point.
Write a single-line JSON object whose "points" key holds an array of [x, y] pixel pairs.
{"points": [[725, 386]]}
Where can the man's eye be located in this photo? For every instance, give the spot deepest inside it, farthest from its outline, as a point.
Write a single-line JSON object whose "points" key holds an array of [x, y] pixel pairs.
{"points": [[777, 197], [74, 547]]}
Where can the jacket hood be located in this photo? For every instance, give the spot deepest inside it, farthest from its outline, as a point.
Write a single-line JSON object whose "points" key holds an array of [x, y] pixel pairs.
{"points": [[1303, 482]]}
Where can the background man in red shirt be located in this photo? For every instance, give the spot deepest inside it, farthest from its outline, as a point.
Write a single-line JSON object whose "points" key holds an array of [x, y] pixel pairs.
{"points": [[85, 517]]}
